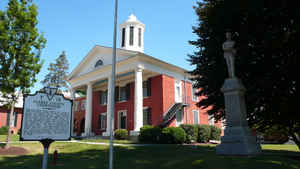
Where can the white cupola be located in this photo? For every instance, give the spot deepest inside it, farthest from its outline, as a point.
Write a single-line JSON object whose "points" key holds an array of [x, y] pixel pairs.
{"points": [[132, 34]]}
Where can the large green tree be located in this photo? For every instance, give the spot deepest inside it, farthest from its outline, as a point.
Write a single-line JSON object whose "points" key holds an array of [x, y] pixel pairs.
{"points": [[20, 50], [266, 35], [58, 73]]}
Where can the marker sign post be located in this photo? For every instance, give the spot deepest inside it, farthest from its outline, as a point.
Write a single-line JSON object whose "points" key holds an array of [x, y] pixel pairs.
{"points": [[46, 118]]}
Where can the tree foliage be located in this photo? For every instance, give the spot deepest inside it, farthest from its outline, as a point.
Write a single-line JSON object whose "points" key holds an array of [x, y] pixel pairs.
{"points": [[20, 49], [20, 46], [266, 35], [57, 73]]}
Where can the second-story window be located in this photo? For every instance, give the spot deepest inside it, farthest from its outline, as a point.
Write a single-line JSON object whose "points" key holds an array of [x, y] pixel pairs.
{"points": [[103, 97], [194, 91], [211, 119], [83, 104], [147, 88], [76, 103], [122, 93]]}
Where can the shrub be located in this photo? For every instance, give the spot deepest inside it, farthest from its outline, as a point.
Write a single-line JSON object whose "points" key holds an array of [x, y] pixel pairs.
{"points": [[191, 132], [203, 133], [121, 134], [4, 130], [150, 134], [215, 133], [173, 135]]}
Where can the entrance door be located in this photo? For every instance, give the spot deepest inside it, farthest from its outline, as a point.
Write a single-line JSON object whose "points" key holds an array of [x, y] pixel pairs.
{"points": [[122, 119]]}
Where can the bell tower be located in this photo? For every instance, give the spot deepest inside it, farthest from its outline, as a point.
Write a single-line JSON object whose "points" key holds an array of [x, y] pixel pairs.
{"points": [[132, 34]]}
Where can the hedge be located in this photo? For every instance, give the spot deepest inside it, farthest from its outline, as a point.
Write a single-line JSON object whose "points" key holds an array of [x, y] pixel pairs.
{"points": [[215, 133], [191, 132], [121, 134], [173, 135], [150, 134], [204, 133], [4, 130]]}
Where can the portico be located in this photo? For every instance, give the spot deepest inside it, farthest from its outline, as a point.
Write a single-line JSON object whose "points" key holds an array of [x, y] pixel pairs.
{"points": [[135, 74]]}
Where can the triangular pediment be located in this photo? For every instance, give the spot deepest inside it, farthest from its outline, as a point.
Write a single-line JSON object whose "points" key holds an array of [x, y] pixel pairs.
{"points": [[99, 56]]}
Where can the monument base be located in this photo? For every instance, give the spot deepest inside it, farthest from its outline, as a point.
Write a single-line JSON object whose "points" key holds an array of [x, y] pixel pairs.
{"points": [[134, 133], [238, 141], [88, 134], [106, 134]]}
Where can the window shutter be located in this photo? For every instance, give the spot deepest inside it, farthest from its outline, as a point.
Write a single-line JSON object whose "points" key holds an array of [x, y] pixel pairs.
{"points": [[15, 119], [128, 91], [7, 118], [149, 116], [117, 93], [99, 121], [149, 87], [100, 97]]}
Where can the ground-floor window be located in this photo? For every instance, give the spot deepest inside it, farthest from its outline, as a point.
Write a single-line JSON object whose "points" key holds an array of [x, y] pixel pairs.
{"points": [[102, 121], [122, 119], [196, 116], [179, 117], [14, 120], [147, 116]]}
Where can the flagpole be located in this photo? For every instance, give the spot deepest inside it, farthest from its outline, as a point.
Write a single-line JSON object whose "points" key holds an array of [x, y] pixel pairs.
{"points": [[112, 87]]}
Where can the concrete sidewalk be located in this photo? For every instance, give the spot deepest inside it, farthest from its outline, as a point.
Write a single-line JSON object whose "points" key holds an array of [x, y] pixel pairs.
{"points": [[83, 142]]}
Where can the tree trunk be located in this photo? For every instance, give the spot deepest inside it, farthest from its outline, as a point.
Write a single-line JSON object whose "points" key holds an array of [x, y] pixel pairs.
{"points": [[10, 124], [296, 139]]}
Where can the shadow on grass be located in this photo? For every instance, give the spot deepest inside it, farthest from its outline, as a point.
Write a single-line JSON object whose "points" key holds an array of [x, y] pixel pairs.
{"points": [[155, 157]]}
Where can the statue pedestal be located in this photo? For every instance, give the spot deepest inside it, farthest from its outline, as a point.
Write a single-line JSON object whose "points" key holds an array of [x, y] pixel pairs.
{"points": [[237, 139]]}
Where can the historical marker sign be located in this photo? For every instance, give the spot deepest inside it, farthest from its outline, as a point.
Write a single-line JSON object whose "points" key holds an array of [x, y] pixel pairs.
{"points": [[46, 115]]}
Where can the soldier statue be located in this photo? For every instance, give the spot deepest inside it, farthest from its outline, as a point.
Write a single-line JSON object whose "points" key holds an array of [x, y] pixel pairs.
{"points": [[229, 54]]}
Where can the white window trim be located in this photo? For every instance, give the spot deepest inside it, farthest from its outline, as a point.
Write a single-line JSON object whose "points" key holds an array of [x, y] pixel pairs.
{"points": [[193, 94], [119, 87], [194, 116], [144, 108], [83, 105], [223, 124], [119, 119], [177, 83], [178, 123], [211, 120], [106, 91], [103, 114]]}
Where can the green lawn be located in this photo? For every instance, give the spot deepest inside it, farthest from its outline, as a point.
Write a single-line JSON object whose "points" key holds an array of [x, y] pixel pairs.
{"points": [[13, 138], [84, 156]]}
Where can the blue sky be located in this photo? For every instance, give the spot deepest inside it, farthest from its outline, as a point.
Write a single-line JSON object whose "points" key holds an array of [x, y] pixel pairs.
{"points": [[75, 26]]}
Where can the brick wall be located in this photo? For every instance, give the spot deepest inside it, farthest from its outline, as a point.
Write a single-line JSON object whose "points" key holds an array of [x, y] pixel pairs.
{"points": [[3, 118], [161, 99]]}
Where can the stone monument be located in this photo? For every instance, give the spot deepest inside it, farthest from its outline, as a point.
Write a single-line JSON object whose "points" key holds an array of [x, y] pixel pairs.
{"points": [[237, 139]]}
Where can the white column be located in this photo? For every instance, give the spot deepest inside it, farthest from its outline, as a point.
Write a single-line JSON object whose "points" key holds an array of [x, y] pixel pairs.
{"points": [[88, 110], [138, 101], [73, 111], [106, 133]]}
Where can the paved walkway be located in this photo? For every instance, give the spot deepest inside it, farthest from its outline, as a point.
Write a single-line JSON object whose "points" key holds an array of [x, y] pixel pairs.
{"points": [[85, 142]]}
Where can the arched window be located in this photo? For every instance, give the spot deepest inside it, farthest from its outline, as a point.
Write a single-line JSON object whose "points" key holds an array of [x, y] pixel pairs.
{"points": [[99, 63]]}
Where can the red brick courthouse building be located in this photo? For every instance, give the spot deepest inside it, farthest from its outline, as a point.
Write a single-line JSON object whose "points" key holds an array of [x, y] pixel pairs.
{"points": [[148, 91]]}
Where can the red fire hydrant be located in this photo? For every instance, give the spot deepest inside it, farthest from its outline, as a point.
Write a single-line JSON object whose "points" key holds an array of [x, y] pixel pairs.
{"points": [[55, 156]]}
